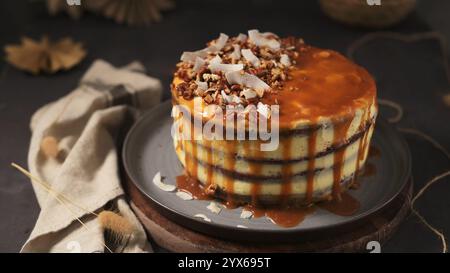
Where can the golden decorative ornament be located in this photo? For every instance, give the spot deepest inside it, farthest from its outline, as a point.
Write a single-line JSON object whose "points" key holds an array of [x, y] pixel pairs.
{"points": [[45, 56], [368, 13]]}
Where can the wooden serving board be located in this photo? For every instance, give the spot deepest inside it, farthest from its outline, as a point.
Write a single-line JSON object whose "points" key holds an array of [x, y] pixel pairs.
{"points": [[174, 237]]}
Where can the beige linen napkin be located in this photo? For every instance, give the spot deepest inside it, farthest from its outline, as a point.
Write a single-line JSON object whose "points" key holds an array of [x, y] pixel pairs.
{"points": [[88, 124]]}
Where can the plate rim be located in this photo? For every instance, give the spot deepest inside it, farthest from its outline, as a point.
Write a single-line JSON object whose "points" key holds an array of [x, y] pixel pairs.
{"points": [[177, 214]]}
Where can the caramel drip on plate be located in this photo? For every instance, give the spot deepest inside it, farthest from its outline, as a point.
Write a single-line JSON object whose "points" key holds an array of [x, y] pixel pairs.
{"points": [[286, 186], [340, 135], [284, 216], [374, 152], [311, 166], [190, 185], [346, 206], [368, 170]]}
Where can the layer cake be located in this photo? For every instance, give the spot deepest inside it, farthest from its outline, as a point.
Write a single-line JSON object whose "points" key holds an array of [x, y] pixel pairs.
{"points": [[326, 115]]}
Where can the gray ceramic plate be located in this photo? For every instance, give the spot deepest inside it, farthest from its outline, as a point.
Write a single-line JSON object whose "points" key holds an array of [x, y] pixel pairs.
{"points": [[148, 149]]}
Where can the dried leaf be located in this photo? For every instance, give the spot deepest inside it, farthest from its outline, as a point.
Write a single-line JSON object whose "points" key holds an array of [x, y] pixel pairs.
{"points": [[45, 56]]}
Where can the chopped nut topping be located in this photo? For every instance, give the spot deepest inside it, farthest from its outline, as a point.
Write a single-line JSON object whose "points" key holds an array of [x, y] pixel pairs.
{"points": [[239, 70]]}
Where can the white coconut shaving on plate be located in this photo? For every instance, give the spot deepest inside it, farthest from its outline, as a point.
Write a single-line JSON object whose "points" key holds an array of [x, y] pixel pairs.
{"points": [[214, 208], [202, 216], [184, 195], [246, 214], [157, 180]]}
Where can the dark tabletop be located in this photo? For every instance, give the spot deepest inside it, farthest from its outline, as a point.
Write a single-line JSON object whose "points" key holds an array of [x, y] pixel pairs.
{"points": [[411, 74]]}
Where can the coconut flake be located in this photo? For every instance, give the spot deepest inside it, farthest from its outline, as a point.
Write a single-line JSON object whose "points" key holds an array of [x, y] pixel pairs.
{"points": [[202, 85], [157, 180], [247, 80], [250, 57], [219, 44], [284, 60], [236, 54], [263, 109], [216, 65], [216, 60], [184, 195], [199, 215], [199, 63], [191, 56], [254, 82], [234, 77], [241, 37], [246, 214], [267, 34], [248, 94], [226, 97], [260, 39], [236, 99], [214, 208], [241, 226], [225, 68]]}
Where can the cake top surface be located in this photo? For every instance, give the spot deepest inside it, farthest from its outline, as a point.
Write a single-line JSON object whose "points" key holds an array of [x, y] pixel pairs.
{"points": [[263, 69]]}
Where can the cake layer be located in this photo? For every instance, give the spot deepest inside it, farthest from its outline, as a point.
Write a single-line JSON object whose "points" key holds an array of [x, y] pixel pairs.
{"points": [[260, 168], [269, 179]]}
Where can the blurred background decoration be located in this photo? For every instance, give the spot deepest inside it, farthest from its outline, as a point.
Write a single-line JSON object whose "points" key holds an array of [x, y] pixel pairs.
{"points": [[44, 55], [130, 12], [366, 13]]}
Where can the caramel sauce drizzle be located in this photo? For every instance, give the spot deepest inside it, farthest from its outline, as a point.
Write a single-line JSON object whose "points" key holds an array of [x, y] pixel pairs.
{"points": [[311, 166], [347, 205], [193, 164], [255, 168], [190, 185], [229, 164], [329, 87], [374, 152], [340, 136], [369, 170], [360, 147], [286, 186], [283, 216], [209, 161]]}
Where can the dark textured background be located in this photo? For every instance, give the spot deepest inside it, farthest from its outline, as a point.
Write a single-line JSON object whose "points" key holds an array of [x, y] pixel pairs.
{"points": [[411, 74]]}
